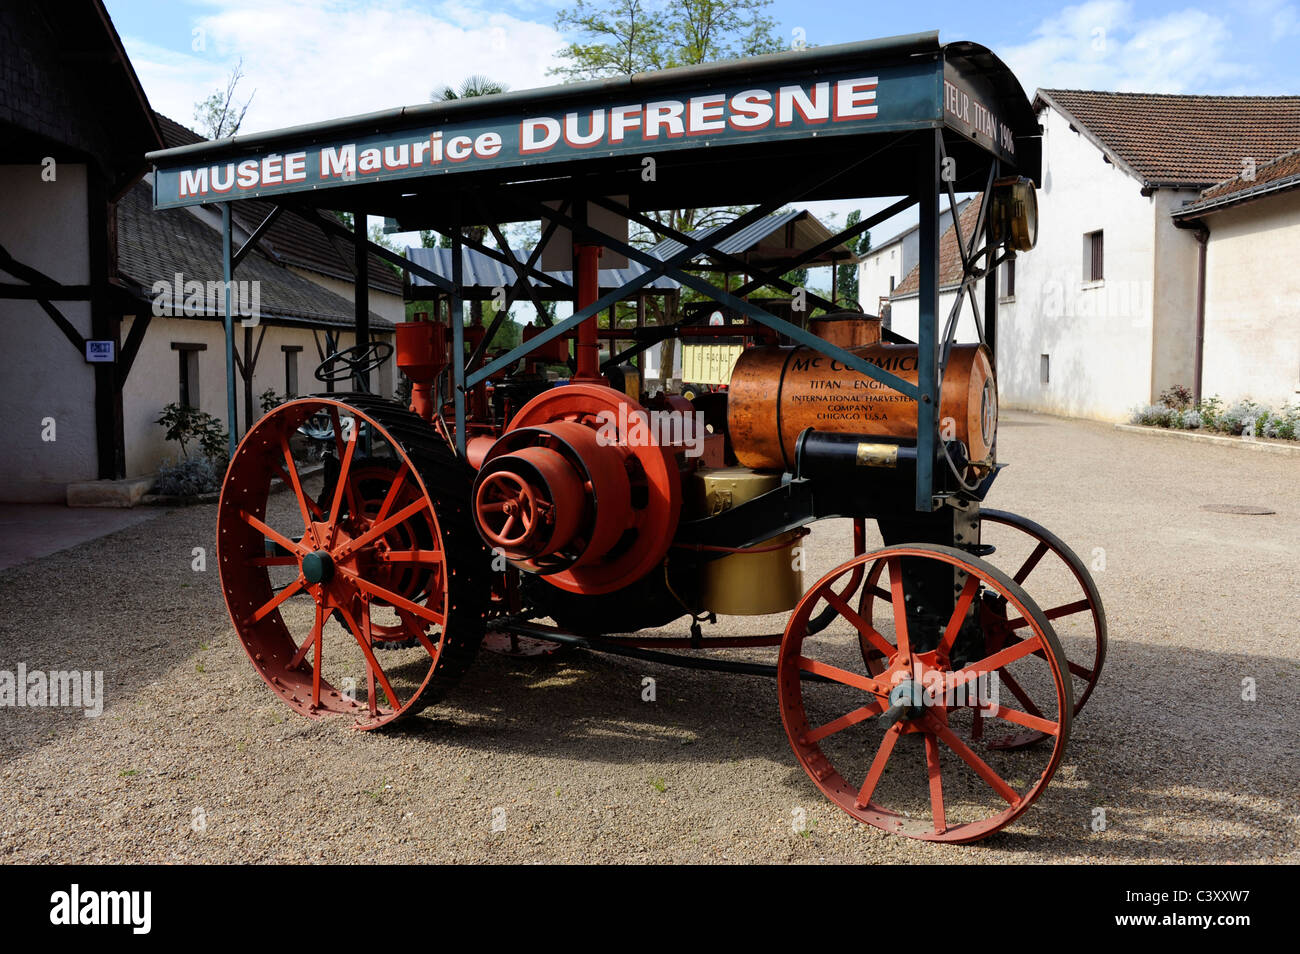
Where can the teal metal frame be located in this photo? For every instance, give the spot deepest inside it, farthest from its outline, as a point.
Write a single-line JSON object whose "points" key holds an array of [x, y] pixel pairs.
{"points": [[935, 83]]}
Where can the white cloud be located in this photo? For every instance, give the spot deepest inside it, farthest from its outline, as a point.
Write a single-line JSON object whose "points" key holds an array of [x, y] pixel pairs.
{"points": [[312, 61], [1104, 44]]}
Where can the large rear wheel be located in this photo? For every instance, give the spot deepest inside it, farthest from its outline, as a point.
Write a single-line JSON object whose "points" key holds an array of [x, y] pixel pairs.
{"points": [[362, 590]]}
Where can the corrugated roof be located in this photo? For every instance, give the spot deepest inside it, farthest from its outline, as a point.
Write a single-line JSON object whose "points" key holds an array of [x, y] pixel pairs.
{"points": [[156, 245], [1193, 141], [484, 273]]}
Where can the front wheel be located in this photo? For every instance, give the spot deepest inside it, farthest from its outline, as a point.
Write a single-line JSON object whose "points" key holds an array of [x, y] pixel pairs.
{"points": [[882, 737]]}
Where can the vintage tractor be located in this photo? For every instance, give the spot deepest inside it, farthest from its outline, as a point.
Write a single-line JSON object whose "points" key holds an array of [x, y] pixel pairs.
{"points": [[936, 656]]}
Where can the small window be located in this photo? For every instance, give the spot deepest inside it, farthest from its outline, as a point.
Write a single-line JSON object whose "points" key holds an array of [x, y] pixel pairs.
{"points": [[1009, 278], [290, 370], [892, 279], [1093, 257], [1044, 369], [188, 355]]}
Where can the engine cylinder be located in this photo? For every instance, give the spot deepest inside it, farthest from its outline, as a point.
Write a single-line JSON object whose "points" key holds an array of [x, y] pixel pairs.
{"points": [[777, 392]]}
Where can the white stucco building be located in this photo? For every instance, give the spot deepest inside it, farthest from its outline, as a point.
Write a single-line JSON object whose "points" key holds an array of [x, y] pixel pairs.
{"points": [[883, 268], [1104, 315], [1107, 311], [81, 249]]}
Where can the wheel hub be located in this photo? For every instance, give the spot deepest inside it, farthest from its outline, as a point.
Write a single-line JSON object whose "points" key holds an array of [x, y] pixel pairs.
{"points": [[317, 567]]}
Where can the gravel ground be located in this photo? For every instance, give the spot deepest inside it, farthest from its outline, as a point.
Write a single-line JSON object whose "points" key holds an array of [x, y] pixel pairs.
{"points": [[194, 760]]}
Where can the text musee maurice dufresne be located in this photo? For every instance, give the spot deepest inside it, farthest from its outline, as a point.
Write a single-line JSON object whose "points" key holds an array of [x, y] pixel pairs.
{"points": [[618, 128]]}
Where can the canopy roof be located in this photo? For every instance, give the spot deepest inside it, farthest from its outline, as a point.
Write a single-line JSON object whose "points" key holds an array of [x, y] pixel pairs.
{"points": [[717, 134]]}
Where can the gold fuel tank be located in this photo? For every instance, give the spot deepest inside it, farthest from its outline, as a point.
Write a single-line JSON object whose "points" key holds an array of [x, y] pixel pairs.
{"points": [[777, 392], [746, 584]]}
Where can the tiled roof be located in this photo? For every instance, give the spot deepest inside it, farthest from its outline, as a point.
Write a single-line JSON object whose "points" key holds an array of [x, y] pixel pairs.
{"points": [[292, 239], [155, 245], [949, 256], [1192, 141], [1281, 174]]}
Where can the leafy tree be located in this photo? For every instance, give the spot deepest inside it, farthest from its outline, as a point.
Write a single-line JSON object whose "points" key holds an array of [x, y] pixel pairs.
{"points": [[624, 37], [846, 275], [220, 115], [472, 86]]}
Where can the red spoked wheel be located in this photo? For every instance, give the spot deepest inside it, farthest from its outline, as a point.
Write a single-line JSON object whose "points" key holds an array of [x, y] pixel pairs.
{"points": [[1060, 583], [376, 554], [884, 740]]}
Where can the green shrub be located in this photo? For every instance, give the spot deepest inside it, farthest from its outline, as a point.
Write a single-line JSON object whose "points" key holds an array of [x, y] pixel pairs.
{"points": [[1153, 415], [187, 478], [270, 400], [188, 426], [1210, 409]]}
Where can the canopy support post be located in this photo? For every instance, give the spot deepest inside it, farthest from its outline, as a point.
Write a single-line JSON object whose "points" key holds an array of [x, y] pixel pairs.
{"points": [[456, 317], [227, 271], [361, 289], [927, 332]]}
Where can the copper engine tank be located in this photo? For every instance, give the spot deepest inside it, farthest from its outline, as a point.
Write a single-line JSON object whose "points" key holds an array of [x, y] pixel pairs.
{"points": [[777, 392]]}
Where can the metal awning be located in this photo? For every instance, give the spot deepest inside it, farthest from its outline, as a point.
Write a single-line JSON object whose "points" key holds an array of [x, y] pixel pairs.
{"points": [[718, 133], [902, 116]]}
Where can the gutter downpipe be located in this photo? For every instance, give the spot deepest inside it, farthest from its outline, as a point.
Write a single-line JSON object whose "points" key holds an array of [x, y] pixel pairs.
{"points": [[1202, 233]]}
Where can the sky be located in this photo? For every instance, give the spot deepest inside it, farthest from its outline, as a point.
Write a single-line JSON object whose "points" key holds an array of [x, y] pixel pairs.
{"points": [[312, 60]]}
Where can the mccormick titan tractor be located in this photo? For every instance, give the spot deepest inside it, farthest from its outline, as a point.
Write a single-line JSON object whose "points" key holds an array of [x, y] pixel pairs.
{"points": [[926, 684]]}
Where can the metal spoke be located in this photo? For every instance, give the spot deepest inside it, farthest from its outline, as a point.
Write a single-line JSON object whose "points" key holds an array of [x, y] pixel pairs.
{"points": [[313, 638], [959, 614], [936, 784], [1056, 612], [900, 606], [412, 556], [266, 531], [1023, 718], [269, 606], [296, 484], [863, 627], [843, 722], [836, 674], [975, 762], [878, 765], [379, 529], [362, 637], [391, 497], [395, 599], [1027, 567], [996, 661]]}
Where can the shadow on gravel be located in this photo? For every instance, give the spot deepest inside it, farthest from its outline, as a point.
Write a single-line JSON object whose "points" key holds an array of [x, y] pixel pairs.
{"points": [[1220, 788], [130, 604]]}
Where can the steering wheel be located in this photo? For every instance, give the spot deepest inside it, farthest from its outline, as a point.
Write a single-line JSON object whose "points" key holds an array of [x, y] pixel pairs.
{"points": [[353, 362]]}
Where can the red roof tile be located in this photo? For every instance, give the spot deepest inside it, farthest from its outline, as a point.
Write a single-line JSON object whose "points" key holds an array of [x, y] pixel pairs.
{"points": [[1280, 174], [949, 255], [1183, 140]]}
